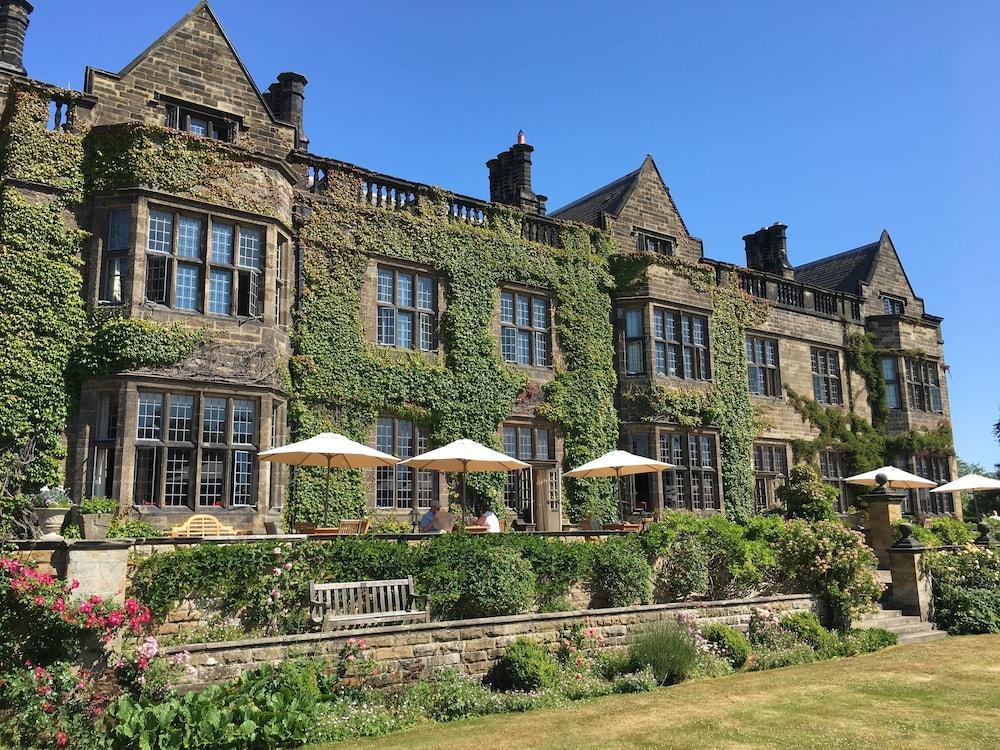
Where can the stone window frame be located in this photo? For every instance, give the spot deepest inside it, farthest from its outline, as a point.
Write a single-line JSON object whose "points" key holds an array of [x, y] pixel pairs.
{"points": [[198, 448], [769, 374], [892, 305], [115, 254], [770, 470], [246, 282], [423, 484], [634, 340], [104, 444], [682, 344], [832, 471], [674, 446], [520, 485], [923, 385], [512, 330], [649, 241], [826, 375], [893, 384], [201, 121], [419, 314]]}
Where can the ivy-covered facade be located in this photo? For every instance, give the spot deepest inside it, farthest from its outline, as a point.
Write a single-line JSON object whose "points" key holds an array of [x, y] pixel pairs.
{"points": [[185, 284]]}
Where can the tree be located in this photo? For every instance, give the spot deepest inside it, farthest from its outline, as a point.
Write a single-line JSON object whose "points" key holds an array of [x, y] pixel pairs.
{"points": [[807, 496], [976, 504]]}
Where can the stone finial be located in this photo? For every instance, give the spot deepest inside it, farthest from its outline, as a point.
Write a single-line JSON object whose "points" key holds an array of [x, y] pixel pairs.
{"points": [[906, 539]]}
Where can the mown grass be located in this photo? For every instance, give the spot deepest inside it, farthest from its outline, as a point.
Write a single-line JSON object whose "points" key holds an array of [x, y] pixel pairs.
{"points": [[944, 694]]}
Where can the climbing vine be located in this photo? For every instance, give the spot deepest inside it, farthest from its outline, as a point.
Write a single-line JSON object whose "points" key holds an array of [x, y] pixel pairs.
{"points": [[342, 381], [50, 341], [726, 403]]}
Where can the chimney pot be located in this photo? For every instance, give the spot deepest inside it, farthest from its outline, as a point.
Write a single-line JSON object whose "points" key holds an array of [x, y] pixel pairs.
{"points": [[520, 137]]}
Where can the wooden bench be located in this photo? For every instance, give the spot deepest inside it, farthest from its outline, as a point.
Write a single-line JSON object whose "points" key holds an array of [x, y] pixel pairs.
{"points": [[362, 603], [201, 524], [353, 526]]}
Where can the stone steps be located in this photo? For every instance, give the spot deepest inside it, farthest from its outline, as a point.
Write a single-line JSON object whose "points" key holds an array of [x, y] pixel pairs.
{"points": [[908, 628]]}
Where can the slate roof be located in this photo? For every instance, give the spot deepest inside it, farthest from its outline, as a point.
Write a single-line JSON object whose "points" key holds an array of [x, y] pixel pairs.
{"points": [[608, 199], [842, 271]]}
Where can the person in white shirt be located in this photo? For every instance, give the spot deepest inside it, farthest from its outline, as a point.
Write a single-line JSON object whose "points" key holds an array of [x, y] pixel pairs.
{"points": [[490, 521]]}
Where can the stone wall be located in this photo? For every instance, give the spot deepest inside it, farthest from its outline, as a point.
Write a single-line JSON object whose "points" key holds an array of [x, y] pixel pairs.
{"points": [[473, 646]]}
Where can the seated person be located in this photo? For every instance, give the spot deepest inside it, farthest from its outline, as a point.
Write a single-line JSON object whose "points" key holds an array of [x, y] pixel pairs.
{"points": [[490, 521], [427, 520], [444, 522]]}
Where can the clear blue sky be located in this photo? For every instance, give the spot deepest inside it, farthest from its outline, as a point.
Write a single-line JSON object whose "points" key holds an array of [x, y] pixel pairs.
{"points": [[837, 120]]}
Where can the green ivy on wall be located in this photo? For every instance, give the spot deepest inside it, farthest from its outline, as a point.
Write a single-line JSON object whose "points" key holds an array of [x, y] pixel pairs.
{"points": [[50, 343], [726, 403], [342, 381]]}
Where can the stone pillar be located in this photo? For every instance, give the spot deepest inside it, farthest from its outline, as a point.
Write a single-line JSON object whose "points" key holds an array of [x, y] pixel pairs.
{"points": [[100, 567], [911, 586], [13, 27], [885, 508]]}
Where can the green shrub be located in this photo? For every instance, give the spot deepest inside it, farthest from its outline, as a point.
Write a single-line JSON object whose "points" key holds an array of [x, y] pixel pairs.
{"points": [[667, 649], [730, 643], [619, 573], [635, 682], [449, 696], [806, 628], [768, 659], [132, 528], [832, 562], [682, 571], [951, 531], [525, 665], [923, 535], [98, 504], [855, 641], [963, 611], [611, 663], [806, 496]]}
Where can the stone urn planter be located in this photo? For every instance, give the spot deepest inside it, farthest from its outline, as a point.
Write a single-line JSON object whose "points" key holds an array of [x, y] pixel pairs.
{"points": [[50, 520], [96, 525]]}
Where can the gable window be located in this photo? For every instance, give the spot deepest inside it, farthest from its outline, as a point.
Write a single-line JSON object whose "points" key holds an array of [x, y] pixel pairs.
{"points": [[831, 469], [176, 264], [893, 305], [634, 339], [179, 432], [525, 329], [202, 123], [923, 389], [117, 243], [681, 342], [398, 486], [694, 482], [406, 309], [537, 446], [763, 370], [651, 242], [770, 469], [825, 365], [890, 374]]}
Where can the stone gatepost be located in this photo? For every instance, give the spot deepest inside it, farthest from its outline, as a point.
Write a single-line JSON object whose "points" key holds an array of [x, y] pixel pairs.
{"points": [[911, 586], [101, 567], [885, 508]]}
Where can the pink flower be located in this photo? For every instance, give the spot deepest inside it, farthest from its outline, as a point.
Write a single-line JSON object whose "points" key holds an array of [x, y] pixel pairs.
{"points": [[39, 601], [579, 676], [275, 594], [276, 551], [362, 645], [115, 619], [350, 657], [59, 604], [61, 738], [277, 571], [288, 566], [351, 641], [86, 607], [191, 671]]}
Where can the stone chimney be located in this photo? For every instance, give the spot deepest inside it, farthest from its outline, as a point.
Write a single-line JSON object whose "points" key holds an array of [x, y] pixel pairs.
{"points": [[285, 97], [13, 26], [510, 178], [767, 250]]}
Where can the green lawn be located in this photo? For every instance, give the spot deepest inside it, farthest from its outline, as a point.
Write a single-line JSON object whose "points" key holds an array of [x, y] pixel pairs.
{"points": [[944, 694]]}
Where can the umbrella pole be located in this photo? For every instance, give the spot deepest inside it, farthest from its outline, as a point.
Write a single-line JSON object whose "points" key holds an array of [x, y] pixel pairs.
{"points": [[326, 496], [465, 487]]}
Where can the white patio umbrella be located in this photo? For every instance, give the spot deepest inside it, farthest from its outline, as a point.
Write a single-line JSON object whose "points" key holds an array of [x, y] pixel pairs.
{"points": [[618, 464], [970, 483], [895, 479], [332, 451], [464, 456]]}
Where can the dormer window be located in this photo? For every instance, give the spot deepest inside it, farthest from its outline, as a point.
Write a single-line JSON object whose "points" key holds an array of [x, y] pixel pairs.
{"points": [[202, 122], [651, 242], [893, 305]]}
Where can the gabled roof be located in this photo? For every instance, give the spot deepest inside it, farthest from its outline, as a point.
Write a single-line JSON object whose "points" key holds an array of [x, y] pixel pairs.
{"points": [[606, 200], [843, 271], [202, 5]]}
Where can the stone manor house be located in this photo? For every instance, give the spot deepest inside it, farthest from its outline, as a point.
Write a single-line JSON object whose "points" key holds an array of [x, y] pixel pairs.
{"points": [[172, 440]]}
